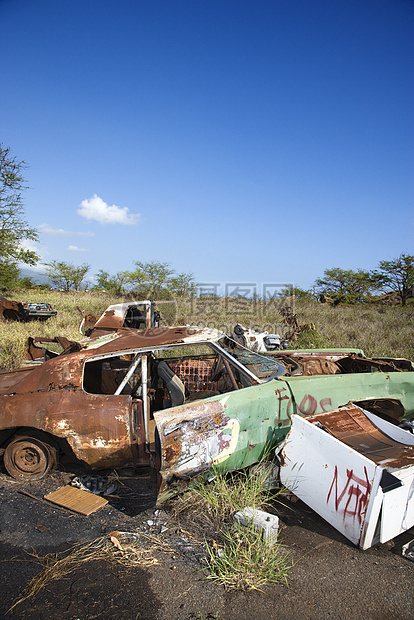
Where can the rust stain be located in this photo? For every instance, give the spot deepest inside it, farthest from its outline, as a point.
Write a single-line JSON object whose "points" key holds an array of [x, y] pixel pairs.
{"points": [[172, 452], [353, 428]]}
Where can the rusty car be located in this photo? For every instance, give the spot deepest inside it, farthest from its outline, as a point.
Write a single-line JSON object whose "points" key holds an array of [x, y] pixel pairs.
{"points": [[183, 399], [134, 314], [25, 312]]}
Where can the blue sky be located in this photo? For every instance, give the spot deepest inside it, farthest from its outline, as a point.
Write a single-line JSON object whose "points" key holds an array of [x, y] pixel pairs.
{"points": [[243, 141]]}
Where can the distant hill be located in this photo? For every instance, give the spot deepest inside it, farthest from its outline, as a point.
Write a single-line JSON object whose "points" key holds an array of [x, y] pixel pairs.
{"points": [[36, 277]]}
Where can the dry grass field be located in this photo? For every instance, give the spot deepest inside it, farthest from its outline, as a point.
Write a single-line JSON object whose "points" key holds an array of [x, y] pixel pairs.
{"points": [[379, 330]]}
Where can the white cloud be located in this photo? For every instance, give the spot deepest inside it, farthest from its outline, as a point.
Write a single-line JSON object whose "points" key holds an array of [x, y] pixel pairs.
{"points": [[38, 269], [74, 248], [59, 232], [27, 244], [96, 209]]}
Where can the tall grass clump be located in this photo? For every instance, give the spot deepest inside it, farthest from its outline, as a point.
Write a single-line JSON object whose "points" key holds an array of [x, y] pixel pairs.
{"points": [[237, 557], [380, 330], [246, 561]]}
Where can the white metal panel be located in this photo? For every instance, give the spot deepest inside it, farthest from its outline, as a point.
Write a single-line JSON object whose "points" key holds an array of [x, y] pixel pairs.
{"points": [[395, 432], [344, 487], [329, 476], [398, 506]]}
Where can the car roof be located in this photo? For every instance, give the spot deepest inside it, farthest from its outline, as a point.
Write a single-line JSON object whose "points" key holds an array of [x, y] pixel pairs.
{"points": [[131, 339]]}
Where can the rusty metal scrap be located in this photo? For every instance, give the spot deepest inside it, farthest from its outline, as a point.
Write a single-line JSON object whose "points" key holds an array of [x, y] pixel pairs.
{"points": [[291, 320], [34, 352], [351, 426], [13, 310], [101, 428], [134, 315]]}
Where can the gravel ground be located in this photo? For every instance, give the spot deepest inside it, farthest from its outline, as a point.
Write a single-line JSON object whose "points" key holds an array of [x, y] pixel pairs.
{"points": [[330, 578]]}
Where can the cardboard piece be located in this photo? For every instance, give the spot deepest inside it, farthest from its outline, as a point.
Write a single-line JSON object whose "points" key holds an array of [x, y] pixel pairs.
{"points": [[77, 500]]}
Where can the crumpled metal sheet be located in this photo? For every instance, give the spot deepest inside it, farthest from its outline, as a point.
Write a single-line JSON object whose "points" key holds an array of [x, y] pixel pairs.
{"points": [[230, 431]]}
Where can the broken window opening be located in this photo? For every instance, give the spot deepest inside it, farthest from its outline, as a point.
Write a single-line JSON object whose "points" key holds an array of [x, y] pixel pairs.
{"points": [[111, 375], [163, 379], [204, 371]]}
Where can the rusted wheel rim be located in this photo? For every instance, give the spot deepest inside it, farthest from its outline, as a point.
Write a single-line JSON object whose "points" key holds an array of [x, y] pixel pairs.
{"points": [[28, 457]]}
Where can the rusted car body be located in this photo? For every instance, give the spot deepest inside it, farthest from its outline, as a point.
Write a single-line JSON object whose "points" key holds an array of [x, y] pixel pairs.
{"points": [[182, 399], [134, 315], [18, 311]]}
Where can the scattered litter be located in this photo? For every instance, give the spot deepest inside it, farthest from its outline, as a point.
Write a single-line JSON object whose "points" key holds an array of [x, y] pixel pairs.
{"points": [[408, 551], [99, 485], [76, 500], [40, 527], [114, 540], [126, 536], [267, 523]]}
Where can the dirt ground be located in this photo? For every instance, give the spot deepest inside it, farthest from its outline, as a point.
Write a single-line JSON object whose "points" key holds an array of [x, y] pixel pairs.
{"points": [[330, 578]]}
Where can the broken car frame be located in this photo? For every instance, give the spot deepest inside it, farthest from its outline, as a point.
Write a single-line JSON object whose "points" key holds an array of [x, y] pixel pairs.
{"points": [[135, 315], [353, 468]]}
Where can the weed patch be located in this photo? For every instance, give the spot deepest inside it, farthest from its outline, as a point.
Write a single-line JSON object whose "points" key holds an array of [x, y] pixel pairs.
{"points": [[238, 558], [244, 561]]}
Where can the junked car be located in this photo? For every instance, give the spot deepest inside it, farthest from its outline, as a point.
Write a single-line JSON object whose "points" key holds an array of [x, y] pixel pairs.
{"points": [[25, 312], [182, 399], [135, 315]]}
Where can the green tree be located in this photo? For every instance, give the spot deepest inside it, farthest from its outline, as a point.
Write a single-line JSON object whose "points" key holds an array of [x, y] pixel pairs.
{"points": [[114, 284], [66, 276], [26, 282], [398, 275], [151, 279], [14, 230], [158, 280], [9, 275], [183, 285], [347, 285]]}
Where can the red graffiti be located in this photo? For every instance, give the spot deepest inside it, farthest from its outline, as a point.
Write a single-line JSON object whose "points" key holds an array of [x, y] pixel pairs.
{"points": [[308, 405], [325, 404], [355, 495], [280, 398]]}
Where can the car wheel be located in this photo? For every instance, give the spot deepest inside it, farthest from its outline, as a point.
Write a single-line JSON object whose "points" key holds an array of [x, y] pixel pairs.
{"points": [[28, 458]]}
